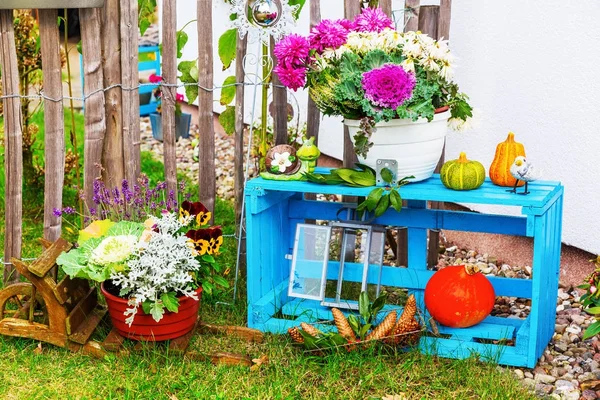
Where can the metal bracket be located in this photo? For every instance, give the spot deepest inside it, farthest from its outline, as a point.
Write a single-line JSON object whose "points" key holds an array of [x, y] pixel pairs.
{"points": [[382, 164]]}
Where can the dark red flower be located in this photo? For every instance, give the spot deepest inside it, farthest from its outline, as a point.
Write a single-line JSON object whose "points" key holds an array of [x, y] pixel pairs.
{"points": [[197, 209]]}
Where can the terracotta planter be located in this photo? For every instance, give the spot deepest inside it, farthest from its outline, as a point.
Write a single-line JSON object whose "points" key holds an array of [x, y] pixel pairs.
{"points": [[144, 327], [416, 145]]}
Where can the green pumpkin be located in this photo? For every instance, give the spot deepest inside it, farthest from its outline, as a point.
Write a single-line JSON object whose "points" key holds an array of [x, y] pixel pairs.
{"points": [[462, 174]]}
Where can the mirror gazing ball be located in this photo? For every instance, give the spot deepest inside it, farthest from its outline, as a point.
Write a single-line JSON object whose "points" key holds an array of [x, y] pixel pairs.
{"points": [[265, 13]]}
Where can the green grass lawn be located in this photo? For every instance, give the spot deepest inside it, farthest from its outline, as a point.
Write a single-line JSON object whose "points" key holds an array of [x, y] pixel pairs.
{"points": [[153, 373]]}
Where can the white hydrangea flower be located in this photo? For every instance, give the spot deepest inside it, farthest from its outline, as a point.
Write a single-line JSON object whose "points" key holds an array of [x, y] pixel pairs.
{"points": [[114, 249]]}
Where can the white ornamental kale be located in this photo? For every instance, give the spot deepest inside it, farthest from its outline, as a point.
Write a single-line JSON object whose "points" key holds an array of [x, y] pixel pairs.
{"points": [[162, 267], [114, 249]]}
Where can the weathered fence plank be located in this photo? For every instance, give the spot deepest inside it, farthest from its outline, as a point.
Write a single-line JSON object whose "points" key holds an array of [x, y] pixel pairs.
{"points": [[313, 118], [130, 79], [112, 156], [443, 27], [428, 20], [95, 116], [168, 94], [386, 7], [351, 9], [13, 145], [54, 123], [280, 105], [242, 45], [411, 15], [206, 168]]}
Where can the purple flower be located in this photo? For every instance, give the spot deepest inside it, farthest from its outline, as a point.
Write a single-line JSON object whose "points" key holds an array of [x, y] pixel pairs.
{"points": [[57, 212], [68, 210], [372, 20], [293, 78], [292, 51], [92, 211], [388, 86], [328, 34]]}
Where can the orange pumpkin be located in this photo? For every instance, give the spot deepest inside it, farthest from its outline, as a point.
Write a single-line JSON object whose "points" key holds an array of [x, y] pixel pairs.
{"points": [[459, 296], [506, 152]]}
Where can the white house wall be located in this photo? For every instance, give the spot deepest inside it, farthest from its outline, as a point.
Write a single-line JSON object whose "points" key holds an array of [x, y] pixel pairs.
{"points": [[528, 66]]}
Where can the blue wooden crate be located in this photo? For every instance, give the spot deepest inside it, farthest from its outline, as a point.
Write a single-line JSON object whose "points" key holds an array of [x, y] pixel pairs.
{"points": [[274, 208]]}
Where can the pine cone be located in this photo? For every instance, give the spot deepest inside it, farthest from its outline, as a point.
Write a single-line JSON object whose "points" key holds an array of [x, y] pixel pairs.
{"points": [[311, 330], [295, 334], [384, 328], [408, 339], [406, 321], [342, 325]]}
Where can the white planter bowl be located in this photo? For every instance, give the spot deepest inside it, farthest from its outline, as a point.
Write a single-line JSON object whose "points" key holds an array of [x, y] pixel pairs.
{"points": [[416, 145]]}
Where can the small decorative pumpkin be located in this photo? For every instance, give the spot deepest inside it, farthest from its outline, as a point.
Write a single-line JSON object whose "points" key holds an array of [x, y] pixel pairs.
{"points": [[506, 152], [459, 296], [462, 174]]}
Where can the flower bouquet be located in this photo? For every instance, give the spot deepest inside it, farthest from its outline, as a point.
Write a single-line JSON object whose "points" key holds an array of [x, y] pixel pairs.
{"points": [[153, 265], [365, 70]]}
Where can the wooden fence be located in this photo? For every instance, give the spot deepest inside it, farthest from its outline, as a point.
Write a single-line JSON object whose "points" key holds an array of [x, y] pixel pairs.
{"points": [[109, 38]]}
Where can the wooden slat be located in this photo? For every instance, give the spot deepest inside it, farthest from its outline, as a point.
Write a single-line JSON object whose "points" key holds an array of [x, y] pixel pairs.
{"points": [[84, 331], [221, 358], [242, 45], [130, 79], [206, 168], [411, 15], [114, 341], [69, 288], [54, 124], [112, 155], [81, 311], [179, 345], [428, 20], [48, 258], [443, 28], [240, 332], [13, 141], [32, 330], [169, 73], [386, 7], [95, 117], [280, 105]]}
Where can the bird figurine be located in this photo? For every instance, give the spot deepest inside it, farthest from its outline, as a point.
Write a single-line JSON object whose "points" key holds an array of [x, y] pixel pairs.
{"points": [[522, 170]]}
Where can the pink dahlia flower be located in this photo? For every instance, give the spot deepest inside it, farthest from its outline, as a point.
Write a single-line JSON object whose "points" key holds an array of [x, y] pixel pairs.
{"points": [[292, 50], [372, 20], [328, 34], [292, 77], [388, 86]]}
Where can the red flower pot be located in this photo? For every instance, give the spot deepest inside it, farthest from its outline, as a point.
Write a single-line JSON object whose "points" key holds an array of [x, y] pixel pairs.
{"points": [[144, 327]]}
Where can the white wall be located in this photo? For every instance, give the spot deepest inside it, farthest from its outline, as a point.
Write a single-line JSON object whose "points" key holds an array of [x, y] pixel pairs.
{"points": [[532, 67]]}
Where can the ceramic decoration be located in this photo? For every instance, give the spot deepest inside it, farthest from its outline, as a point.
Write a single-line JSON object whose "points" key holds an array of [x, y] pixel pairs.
{"points": [[268, 18], [522, 170], [280, 161]]}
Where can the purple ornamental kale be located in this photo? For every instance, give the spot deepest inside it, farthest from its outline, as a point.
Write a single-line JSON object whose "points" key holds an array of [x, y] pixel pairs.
{"points": [[388, 86]]}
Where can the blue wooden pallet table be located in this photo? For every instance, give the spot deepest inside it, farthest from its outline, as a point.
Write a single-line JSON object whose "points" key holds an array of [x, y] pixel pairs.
{"points": [[274, 208]]}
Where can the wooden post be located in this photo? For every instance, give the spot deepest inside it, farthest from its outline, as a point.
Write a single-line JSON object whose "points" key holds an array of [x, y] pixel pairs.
{"points": [[428, 20], [313, 119], [443, 28], [13, 146], [206, 169], [411, 15], [386, 7], [95, 117], [351, 9], [130, 79], [169, 73], [54, 123], [280, 105], [242, 45], [112, 156]]}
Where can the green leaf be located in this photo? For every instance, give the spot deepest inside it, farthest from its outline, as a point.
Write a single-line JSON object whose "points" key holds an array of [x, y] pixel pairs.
{"points": [[227, 47], [297, 2], [219, 280], [378, 304], [227, 120], [228, 90], [363, 305], [363, 331], [182, 39], [386, 175], [592, 330], [157, 311], [147, 306], [207, 287], [373, 198], [375, 59], [79, 48], [309, 341], [208, 258], [354, 323], [126, 228], [186, 69], [395, 200], [170, 301], [144, 25], [592, 310], [383, 205]]}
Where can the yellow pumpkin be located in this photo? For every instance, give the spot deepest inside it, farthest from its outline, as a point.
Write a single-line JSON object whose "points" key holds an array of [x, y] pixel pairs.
{"points": [[506, 152]]}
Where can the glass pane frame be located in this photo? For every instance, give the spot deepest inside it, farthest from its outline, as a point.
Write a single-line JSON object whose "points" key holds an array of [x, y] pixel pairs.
{"points": [[295, 278]]}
